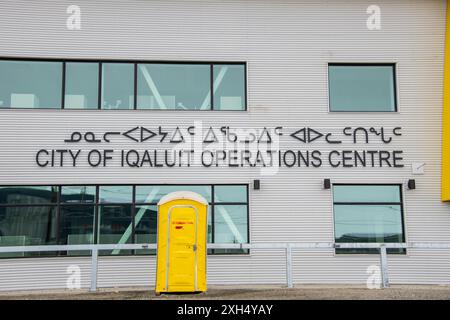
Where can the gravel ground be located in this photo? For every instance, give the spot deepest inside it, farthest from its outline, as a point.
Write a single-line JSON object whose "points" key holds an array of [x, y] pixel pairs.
{"points": [[245, 293]]}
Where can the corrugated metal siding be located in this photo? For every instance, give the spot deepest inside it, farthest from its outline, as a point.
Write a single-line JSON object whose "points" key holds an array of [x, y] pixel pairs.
{"points": [[287, 45]]}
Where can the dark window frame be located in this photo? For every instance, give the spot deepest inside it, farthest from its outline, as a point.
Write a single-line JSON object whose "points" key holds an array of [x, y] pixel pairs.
{"points": [[97, 204], [402, 212], [393, 65], [135, 76]]}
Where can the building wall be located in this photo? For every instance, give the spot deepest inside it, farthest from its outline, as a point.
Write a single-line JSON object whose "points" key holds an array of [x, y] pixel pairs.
{"points": [[287, 45]]}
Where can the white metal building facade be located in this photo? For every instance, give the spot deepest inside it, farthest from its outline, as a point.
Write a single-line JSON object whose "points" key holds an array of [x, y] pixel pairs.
{"points": [[286, 47]]}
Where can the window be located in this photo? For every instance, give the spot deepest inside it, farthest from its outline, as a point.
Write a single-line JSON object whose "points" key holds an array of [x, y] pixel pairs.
{"points": [[362, 87], [28, 195], [81, 86], [30, 84], [174, 86], [115, 226], [117, 86], [78, 194], [229, 87], [152, 194], [368, 213], [76, 226], [27, 226], [227, 214], [110, 214], [77, 216], [28, 217], [116, 194], [230, 216], [122, 85], [146, 226]]}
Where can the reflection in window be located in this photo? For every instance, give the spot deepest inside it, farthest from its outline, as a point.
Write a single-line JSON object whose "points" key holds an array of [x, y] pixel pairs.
{"points": [[115, 227], [230, 193], [152, 194], [174, 86], [117, 86], [362, 87], [367, 193], [145, 227], [29, 215], [229, 87], [28, 195], [230, 225], [364, 213], [30, 84], [27, 226], [81, 87], [78, 194], [116, 194], [76, 226]]}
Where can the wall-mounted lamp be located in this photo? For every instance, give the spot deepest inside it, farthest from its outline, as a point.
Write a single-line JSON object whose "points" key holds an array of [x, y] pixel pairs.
{"points": [[411, 184], [326, 183], [256, 185]]}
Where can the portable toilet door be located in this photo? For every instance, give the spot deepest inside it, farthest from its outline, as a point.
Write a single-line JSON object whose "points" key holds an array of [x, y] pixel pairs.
{"points": [[181, 246]]}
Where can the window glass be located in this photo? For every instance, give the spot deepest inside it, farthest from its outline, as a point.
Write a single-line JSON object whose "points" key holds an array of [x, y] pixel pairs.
{"points": [[116, 194], [30, 84], [78, 194], [369, 221], [230, 193], [146, 226], [81, 87], [230, 226], [174, 86], [152, 194], [362, 88], [363, 193], [27, 226], [115, 227], [117, 86], [76, 226], [35, 223], [229, 87], [28, 195]]}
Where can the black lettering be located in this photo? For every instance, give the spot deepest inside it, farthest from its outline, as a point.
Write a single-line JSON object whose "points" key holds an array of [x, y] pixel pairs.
{"points": [[245, 157], [106, 157], [98, 160], [61, 156], [334, 165], [146, 159], [372, 157], [346, 158], [166, 158], [38, 162], [74, 157], [397, 158], [233, 158], [384, 156], [155, 160], [292, 163], [211, 155], [360, 158], [134, 162], [220, 156], [316, 155], [303, 159]]}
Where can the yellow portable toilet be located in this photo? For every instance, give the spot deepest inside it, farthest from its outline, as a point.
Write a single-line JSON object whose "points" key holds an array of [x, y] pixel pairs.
{"points": [[181, 247]]}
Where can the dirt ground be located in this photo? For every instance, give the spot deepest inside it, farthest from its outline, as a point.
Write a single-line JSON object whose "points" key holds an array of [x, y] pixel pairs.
{"points": [[246, 293]]}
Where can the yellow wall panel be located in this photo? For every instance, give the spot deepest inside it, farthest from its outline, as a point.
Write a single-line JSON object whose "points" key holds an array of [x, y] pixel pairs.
{"points": [[446, 117]]}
